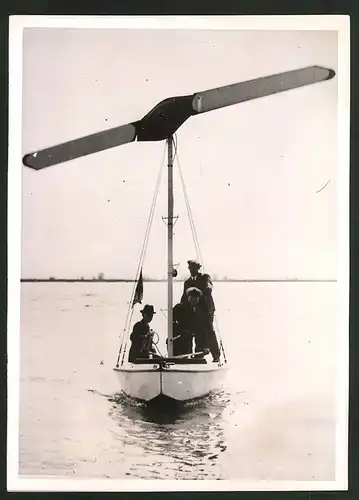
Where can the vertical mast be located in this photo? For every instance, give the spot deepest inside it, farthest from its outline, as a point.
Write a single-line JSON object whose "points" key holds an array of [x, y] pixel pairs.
{"points": [[170, 247]]}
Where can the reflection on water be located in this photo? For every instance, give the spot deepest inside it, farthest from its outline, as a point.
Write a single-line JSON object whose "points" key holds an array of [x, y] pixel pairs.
{"points": [[184, 440], [275, 419]]}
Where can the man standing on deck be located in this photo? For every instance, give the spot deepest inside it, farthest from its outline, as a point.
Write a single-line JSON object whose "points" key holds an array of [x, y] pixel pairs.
{"points": [[203, 282]]}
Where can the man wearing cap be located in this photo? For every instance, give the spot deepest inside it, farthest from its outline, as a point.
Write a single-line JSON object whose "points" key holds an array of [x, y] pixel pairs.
{"points": [[199, 322], [141, 336], [201, 281]]}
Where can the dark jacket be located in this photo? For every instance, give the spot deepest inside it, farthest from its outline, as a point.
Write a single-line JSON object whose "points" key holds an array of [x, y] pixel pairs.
{"points": [[182, 333], [196, 322], [141, 341], [204, 283]]}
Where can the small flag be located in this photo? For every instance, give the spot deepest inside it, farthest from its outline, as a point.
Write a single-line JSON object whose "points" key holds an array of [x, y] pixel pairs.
{"points": [[137, 299]]}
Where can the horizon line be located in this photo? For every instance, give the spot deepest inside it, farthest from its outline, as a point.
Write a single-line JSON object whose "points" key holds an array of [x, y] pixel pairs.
{"points": [[162, 280]]}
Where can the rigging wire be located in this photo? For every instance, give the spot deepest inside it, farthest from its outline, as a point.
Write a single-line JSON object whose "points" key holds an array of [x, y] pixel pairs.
{"points": [[144, 248], [140, 264], [189, 210], [195, 237], [143, 253]]}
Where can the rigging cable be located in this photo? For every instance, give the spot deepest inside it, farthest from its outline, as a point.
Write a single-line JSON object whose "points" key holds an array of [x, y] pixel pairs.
{"points": [[140, 264], [195, 237], [143, 252], [189, 211]]}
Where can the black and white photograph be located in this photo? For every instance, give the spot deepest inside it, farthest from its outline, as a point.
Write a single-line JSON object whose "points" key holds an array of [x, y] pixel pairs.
{"points": [[178, 253]]}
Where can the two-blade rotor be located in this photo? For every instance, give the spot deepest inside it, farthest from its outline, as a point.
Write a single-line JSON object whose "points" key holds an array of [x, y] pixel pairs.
{"points": [[165, 118]]}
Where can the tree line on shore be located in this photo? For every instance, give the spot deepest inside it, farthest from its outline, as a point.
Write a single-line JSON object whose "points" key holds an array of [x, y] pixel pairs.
{"points": [[101, 277]]}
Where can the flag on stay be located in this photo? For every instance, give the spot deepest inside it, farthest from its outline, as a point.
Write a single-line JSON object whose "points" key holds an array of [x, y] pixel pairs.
{"points": [[137, 299]]}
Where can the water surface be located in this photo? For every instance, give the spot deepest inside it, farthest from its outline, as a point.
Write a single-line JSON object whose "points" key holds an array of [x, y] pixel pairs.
{"points": [[274, 418]]}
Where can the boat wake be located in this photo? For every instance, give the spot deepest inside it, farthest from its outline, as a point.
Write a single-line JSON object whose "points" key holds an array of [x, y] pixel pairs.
{"points": [[163, 411]]}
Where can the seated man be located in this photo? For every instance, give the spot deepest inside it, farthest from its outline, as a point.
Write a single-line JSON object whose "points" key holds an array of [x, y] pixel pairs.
{"points": [[189, 320], [196, 317], [141, 336], [182, 334]]}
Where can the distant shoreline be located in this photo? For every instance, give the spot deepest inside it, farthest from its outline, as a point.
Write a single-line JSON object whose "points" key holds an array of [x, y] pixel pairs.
{"points": [[119, 280]]}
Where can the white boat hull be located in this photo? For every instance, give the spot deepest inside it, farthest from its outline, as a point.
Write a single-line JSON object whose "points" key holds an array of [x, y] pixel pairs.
{"points": [[140, 382], [175, 381], [184, 383]]}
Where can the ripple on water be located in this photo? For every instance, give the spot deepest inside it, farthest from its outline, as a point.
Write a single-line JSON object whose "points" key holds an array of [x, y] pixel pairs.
{"points": [[229, 436], [184, 442]]}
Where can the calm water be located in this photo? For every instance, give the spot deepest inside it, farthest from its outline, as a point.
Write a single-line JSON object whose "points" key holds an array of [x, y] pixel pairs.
{"points": [[273, 420]]}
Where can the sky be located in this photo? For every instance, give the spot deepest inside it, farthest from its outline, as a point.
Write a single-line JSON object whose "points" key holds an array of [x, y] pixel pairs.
{"points": [[252, 171]]}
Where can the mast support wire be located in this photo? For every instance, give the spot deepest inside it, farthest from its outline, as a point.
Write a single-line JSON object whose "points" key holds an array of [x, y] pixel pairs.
{"points": [[140, 265], [195, 237], [144, 248]]}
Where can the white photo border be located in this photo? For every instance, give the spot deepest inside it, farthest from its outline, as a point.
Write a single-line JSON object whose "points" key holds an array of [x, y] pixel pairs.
{"points": [[341, 24]]}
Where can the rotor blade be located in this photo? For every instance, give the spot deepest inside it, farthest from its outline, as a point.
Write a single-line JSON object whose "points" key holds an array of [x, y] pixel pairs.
{"points": [[220, 97], [81, 147]]}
